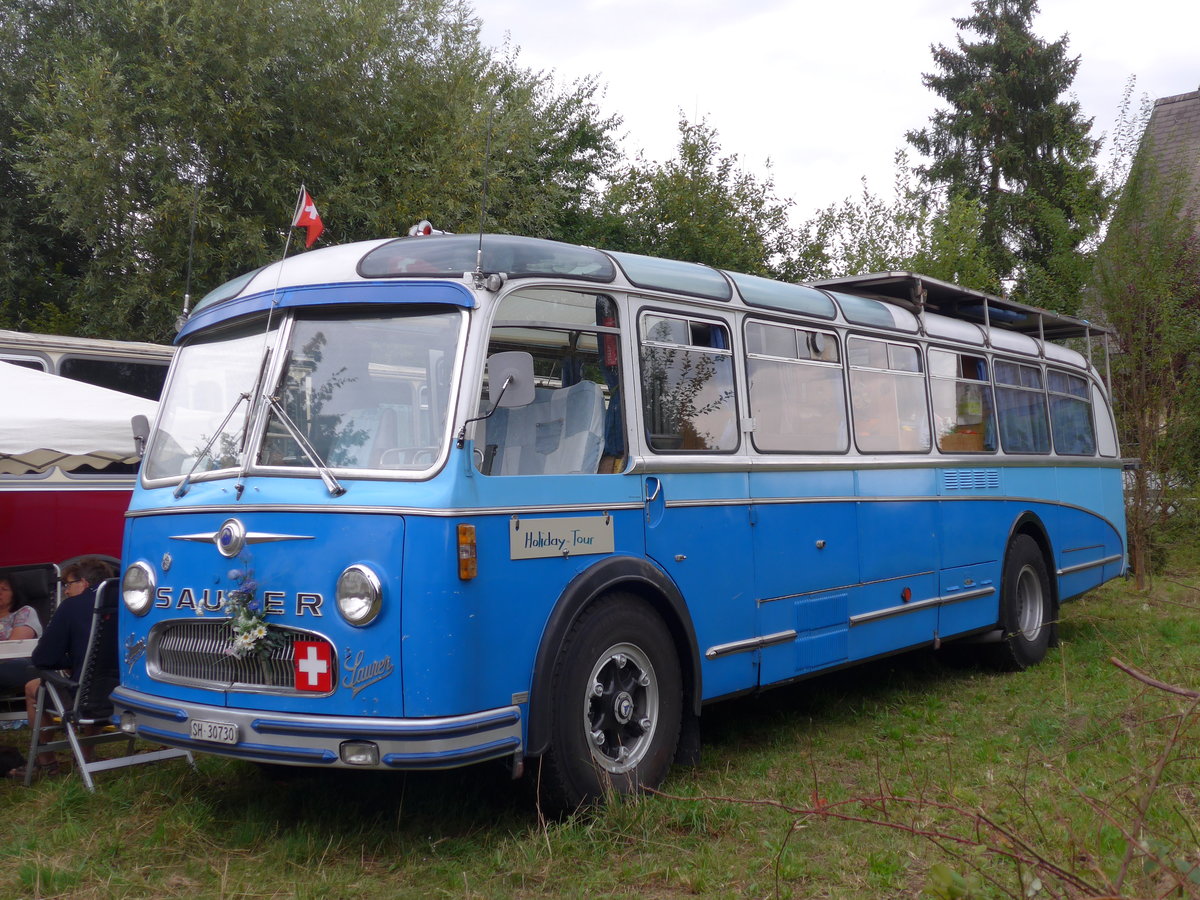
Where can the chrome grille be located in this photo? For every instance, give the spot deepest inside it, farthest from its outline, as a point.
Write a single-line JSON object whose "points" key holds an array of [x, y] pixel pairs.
{"points": [[197, 652]]}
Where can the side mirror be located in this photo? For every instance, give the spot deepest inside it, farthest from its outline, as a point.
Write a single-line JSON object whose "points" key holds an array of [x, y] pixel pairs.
{"points": [[510, 384], [141, 431], [510, 379]]}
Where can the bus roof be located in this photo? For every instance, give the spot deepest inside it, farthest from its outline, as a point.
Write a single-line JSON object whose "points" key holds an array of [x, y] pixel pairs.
{"points": [[443, 255], [913, 291], [24, 340]]}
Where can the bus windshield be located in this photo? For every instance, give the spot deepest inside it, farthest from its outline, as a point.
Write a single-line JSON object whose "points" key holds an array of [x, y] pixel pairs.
{"points": [[365, 391]]}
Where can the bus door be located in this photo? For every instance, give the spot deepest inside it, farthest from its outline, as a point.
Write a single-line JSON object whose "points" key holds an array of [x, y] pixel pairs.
{"points": [[806, 561], [895, 604], [697, 521], [805, 528]]}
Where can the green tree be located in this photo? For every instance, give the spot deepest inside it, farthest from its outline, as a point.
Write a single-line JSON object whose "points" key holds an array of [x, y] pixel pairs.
{"points": [[1146, 282], [909, 232], [1010, 143], [118, 116], [701, 207]]}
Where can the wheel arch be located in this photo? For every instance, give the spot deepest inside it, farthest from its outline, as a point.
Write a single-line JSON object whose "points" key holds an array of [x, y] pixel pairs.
{"points": [[1029, 523], [626, 573]]}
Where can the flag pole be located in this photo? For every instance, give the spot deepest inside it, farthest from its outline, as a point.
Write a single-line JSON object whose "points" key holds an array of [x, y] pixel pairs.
{"points": [[286, 246], [295, 217]]}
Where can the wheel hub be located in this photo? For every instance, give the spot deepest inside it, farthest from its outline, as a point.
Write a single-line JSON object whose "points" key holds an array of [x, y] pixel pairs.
{"points": [[1030, 603], [623, 708], [620, 707]]}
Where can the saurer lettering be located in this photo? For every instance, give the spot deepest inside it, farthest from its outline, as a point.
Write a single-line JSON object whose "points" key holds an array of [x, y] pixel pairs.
{"points": [[275, 603]]}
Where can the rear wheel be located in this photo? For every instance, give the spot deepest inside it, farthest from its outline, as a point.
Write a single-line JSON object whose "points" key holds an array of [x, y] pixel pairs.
{"points": [[618, 701], [1027, 613]]}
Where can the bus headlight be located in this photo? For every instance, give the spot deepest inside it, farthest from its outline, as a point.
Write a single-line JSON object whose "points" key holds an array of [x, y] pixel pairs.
{"points": [[137, 588], [359, 595]]}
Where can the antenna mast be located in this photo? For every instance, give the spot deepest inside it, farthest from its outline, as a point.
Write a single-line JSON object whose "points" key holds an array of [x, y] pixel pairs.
{"points": [[187, 281]]}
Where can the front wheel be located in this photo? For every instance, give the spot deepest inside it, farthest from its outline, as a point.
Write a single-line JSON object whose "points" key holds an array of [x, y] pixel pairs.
{"points": [[618, 701], [1027, 613]]}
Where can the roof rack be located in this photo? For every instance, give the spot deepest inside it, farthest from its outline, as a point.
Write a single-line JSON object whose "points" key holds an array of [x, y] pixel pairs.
{"points": [[920, 293]]}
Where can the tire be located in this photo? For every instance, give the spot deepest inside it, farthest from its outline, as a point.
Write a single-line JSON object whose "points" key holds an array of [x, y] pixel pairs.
{"points": [[1027, 609], [617, 706]]}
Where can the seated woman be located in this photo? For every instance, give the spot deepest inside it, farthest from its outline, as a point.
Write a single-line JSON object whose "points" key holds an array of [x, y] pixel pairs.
{"points": [[64, 645], [17, 622]]}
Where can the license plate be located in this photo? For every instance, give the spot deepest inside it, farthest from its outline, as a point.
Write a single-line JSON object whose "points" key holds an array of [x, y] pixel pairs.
{"points": [[214, 732]]}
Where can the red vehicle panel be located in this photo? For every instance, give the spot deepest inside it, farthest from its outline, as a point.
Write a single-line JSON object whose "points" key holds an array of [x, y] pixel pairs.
{"points": [[57, 522]]}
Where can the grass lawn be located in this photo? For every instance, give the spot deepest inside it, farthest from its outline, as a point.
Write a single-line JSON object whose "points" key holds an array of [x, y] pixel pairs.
{"points": [[899, 777]]}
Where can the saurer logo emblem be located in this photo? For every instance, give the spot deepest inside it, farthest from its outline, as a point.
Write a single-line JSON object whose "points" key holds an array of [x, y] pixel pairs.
{"points": [[360, 675]]}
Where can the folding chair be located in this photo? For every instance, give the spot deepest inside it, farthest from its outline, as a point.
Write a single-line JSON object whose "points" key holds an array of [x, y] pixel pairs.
{"points": [[85, 703]]}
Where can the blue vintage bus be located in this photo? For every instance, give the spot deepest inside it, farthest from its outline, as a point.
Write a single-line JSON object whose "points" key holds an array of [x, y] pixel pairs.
{"points": [[423, 502]]}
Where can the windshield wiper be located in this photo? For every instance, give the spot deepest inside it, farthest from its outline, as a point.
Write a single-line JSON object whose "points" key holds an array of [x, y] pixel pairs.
{"points": [[257, 390], [242, 454], [332, 484], [206, 451]]}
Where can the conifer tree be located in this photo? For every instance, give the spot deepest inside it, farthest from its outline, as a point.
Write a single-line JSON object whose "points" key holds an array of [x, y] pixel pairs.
{"points": [[1010, 141]]}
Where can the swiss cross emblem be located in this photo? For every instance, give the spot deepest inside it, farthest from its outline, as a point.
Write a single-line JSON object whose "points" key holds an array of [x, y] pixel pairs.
{"points": [[313, 661]]}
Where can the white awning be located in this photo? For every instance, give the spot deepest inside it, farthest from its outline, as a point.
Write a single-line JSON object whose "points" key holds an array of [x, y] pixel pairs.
{"points": [[49, 421]]}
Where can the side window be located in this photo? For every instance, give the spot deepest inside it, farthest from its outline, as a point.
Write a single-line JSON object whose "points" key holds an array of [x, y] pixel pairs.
{"points": [[887, 392], [687, 384], [142, 379], [26, 362], [1107, 430], [797, 392], [574, 425], [1071, 414], [962, 402], [1021, 406]]}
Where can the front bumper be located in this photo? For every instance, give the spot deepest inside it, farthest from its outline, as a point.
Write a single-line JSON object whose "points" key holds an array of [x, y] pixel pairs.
{"points": [[310, 740]]}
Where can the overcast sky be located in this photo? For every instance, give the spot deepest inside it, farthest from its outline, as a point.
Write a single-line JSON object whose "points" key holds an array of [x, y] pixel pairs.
{"points": [[824, 90]]}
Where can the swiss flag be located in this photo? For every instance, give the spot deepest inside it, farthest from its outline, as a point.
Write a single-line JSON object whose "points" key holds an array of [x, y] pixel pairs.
{"points": [[313, 662], [307, 217]]}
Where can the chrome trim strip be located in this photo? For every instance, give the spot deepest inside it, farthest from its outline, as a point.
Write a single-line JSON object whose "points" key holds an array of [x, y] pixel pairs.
{"points": [[877, 498], [754, 643], [891, 611], [502, 747], [157, 709], [252, 537], [454, 512], [847, 587], [946, 600], [1069, 570], [445, 513], [655, 465], [430, 729]]}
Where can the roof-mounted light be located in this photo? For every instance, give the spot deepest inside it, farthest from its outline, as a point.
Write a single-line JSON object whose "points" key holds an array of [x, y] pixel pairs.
{"points": [[424, 228]]}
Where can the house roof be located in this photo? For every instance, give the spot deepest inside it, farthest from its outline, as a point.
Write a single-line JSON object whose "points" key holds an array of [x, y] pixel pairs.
{"points": [[1173, 136]]}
